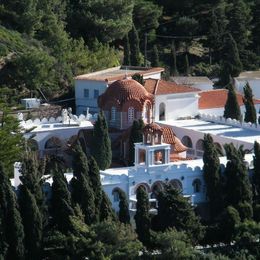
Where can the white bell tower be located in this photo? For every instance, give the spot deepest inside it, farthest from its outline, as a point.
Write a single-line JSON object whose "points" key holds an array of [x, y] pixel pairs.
{"points": [[152, 151]]}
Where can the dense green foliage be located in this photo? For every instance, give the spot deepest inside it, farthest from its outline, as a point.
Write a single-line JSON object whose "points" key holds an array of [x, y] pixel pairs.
{"points": [[232, 108], [212, 175], [101, 144], [250, 114]]}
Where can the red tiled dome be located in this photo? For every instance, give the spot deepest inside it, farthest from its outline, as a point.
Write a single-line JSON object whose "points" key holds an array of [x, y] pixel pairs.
{"points": [[124, 90]]}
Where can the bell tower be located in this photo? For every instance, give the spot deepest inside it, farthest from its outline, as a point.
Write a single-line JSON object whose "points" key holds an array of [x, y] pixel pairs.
{"points": [[152, 151]]}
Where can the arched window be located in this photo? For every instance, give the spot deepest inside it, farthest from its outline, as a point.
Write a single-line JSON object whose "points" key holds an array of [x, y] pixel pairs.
{"points": [[196, 185], [145, 186], [162, 112], [113, 113], [33, 144], [131, 114], [200, 145], [186, 140], [53, 143], [156, 188], [115, 194], [176, 184]]}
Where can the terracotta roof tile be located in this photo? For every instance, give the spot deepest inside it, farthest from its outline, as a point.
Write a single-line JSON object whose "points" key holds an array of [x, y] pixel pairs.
{"points": [[162, 87], [169, 137], [217, 99]]}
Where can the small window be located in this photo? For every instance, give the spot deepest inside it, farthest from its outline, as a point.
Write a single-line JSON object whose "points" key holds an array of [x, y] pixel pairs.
{"points": [[196, 186], [96, 93], [131, 114], [113, 113], [115, 194], [86, 93]]}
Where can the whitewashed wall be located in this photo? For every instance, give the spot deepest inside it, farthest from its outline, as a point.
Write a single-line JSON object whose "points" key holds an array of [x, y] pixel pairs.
{"points": [[254, 84], [177, 105]]}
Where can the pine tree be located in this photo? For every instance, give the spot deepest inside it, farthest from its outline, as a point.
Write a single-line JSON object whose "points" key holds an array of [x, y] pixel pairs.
{"points": [[134, 47], [142, 218], [231, 64], [232, 108], [256, 173], [139, 78], [155, 57], [106, 210], [127, 54], [13, 231], [175, 211], [250, 114], [101, 146], [174, 60], [238, 188], [32, 222], [123, 214], [136, 136], [212, 175]]}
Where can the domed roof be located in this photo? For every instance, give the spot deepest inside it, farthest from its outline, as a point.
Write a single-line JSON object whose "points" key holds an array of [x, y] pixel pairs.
{"points": [[152, 128], [124, 90]]}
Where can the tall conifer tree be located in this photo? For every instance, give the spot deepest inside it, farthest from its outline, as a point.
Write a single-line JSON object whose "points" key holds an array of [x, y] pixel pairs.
{"points": [[187, 65], [232, 108], [11, 219], [106, 210], [136, 136], [32, 222], [142, 218], [101, 146], [174, 60], [250, 114], [135, 47], [212, 175], [155, 57], [175, 211], [238, 188], [256, 174], [123, 214], [127, 53]]}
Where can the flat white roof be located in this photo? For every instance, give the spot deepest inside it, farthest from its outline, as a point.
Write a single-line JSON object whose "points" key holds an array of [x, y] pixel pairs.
{"points": [[217, 129], [249, 75]]}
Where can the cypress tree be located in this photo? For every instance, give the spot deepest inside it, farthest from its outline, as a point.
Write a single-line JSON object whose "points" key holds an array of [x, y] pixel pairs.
{"points": [[13, 231], [174, 60], [95, 183], [250, 114], [139, 78], [238, 188], [212, 175], [175, 211], [136, 136], [142, 218], [187, 65], [231, 64], [126, 51], [106, 210], [256, 27], [81, 189], [101, 146], [61, 205], [155, 57], [134, 47], [232, 108], [123, 214], [32, 222], [256, 173]]}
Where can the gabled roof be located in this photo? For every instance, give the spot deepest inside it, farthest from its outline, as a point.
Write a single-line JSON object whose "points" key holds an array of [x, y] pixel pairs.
{"points": [[163, 87], [118, 73], [217, 98]]}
